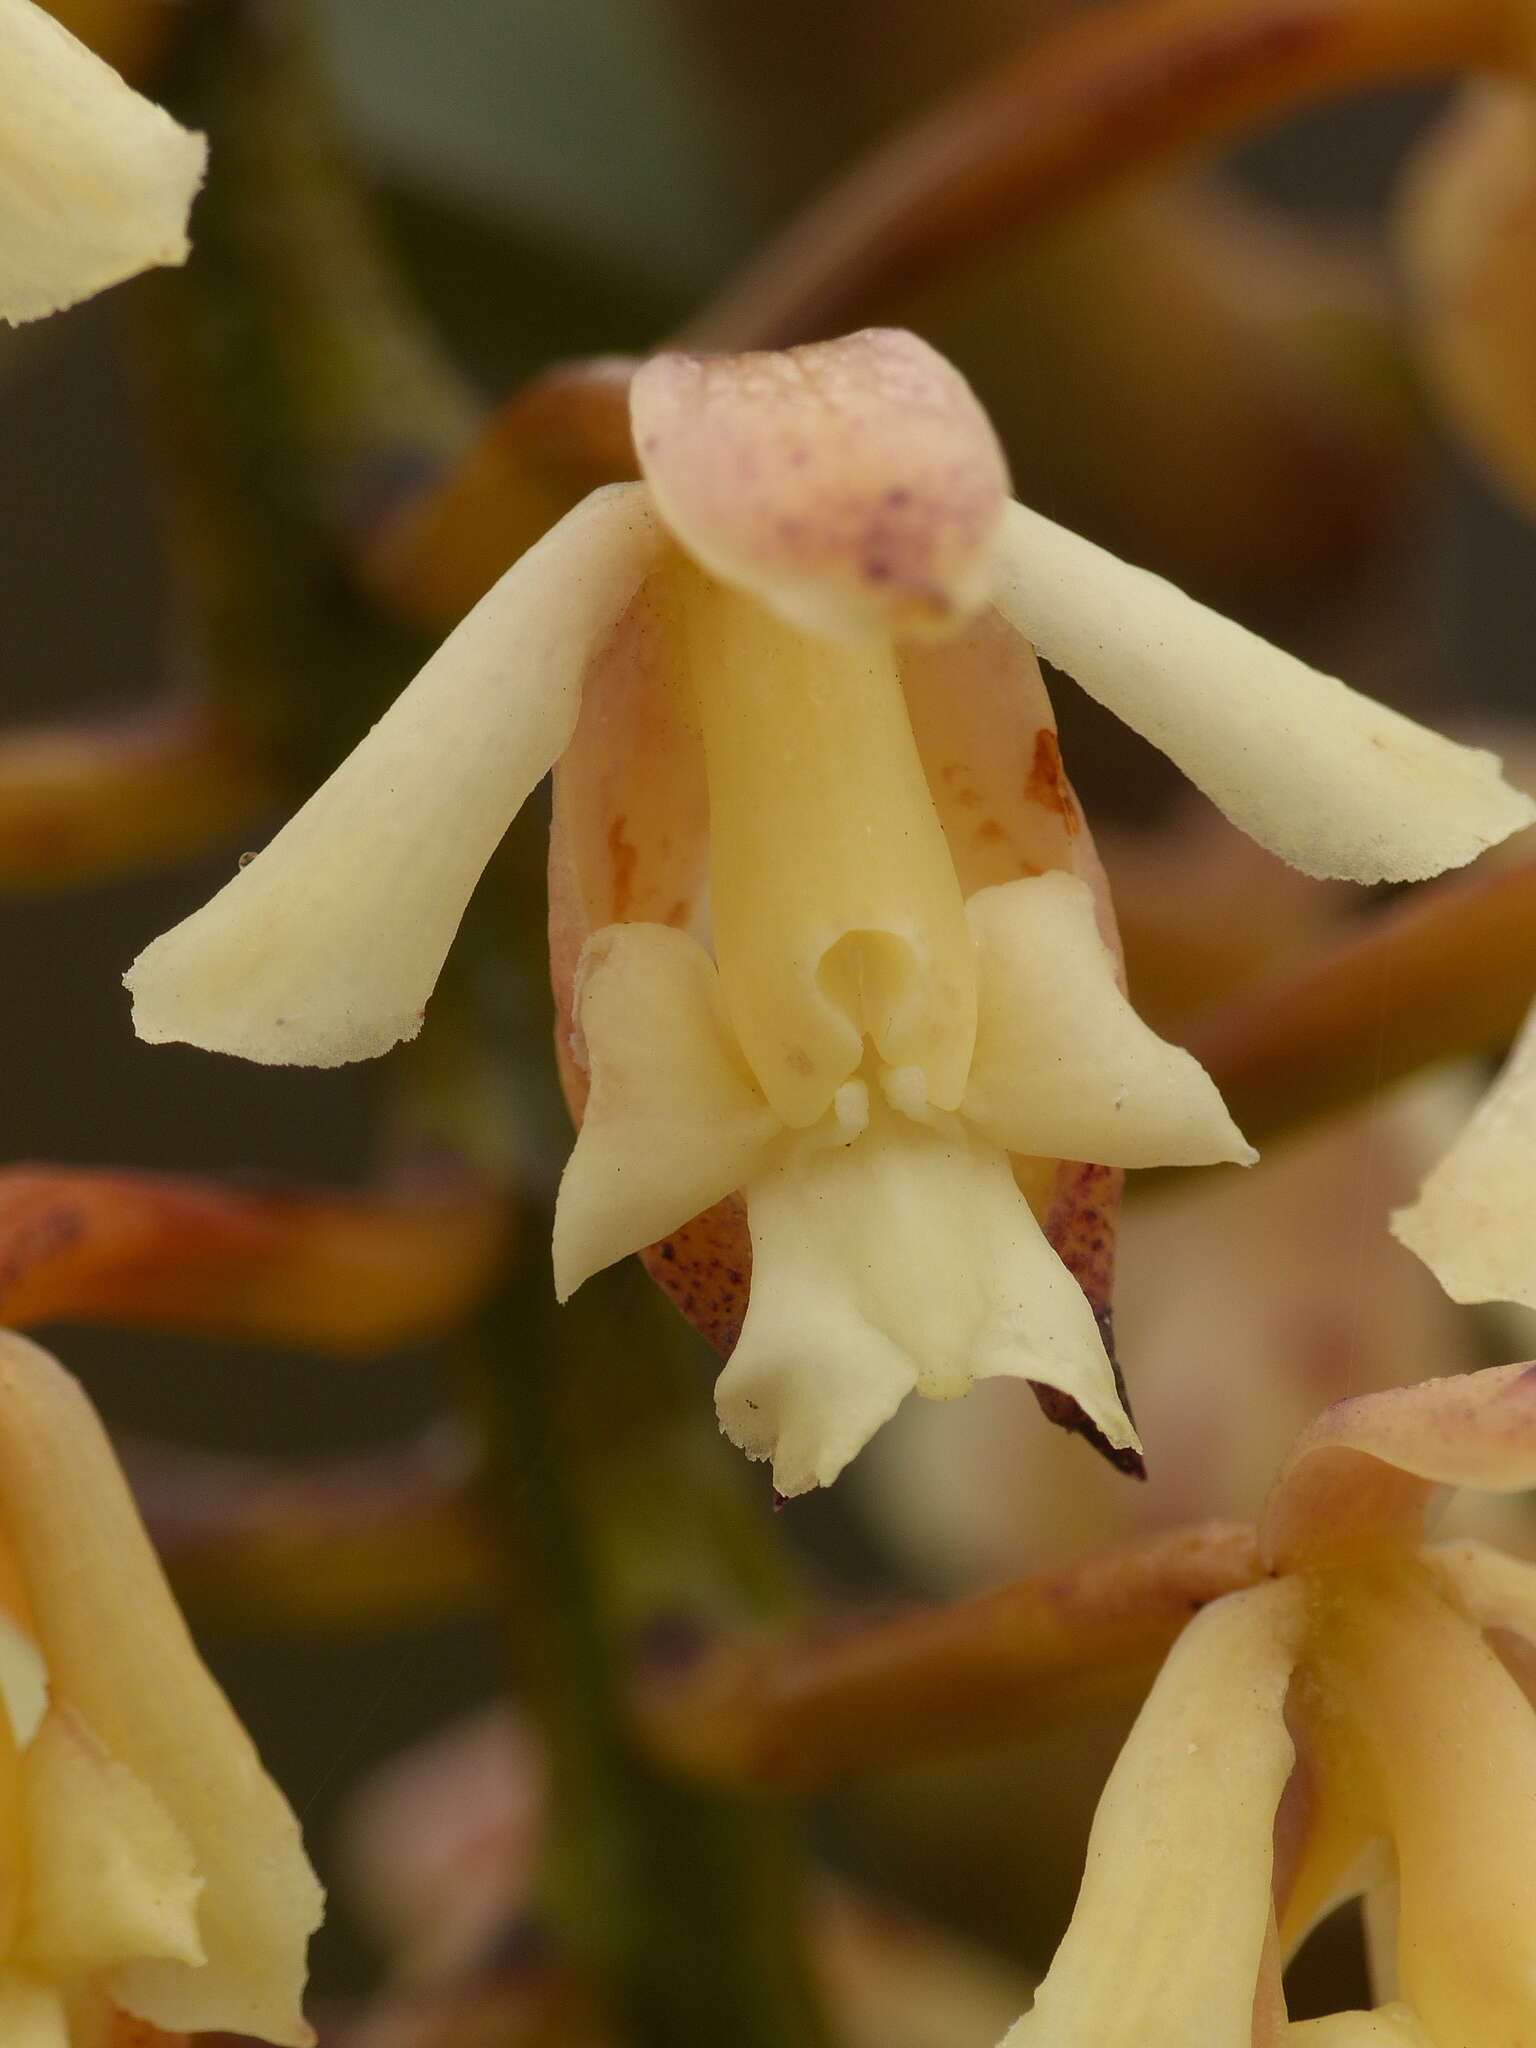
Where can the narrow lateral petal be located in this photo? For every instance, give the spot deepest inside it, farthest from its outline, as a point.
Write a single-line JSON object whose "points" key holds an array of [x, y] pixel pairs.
{"points": [[118, 1652], [1362, 1475], [673, 1119], [905, 1259], [110, 1876], [95, 181], [1165, 1945], [326, 946], [1064, 1068], [1474, 1224], [1336, 784], [853, 485]]}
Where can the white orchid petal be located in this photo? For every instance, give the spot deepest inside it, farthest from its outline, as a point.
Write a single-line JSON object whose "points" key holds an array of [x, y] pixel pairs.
{"points": [[119, 1654], [673, 1121], [1165, 1945], [1336, 784], [1064, 1068], [326, 946], [95, 181], [907, 1258], [1474, 1224], [110, 1876]]}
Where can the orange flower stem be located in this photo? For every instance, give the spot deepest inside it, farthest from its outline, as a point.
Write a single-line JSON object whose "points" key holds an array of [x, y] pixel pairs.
{"points": [[379, 1541], [336, 1273], [1449, 969], [1112, 90], [794, 1715], [79, 803], [539, 453]]}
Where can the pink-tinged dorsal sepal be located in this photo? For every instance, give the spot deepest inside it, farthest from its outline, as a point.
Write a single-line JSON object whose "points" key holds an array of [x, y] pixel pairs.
{"points": [[853, 486]]}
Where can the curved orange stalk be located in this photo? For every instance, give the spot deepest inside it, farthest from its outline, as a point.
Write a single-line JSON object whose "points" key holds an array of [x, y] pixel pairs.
{"points": [[538, 454], [81, 802], [943, 1679], [1112, 89], [382, 1540], [341, 1273], [1448, 970]]}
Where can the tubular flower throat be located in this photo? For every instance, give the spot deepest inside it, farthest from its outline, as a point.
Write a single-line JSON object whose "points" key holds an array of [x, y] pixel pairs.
{"points": [[1361, 1724], [152, 1873], [827, 934], [95, 181]]}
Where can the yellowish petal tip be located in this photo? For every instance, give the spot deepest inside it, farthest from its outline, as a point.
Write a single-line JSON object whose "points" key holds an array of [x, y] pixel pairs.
{"points": [[99, 180]]}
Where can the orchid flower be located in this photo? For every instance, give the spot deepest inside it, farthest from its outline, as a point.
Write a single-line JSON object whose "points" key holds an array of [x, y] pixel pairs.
{"points": [[828, 934], [1360, 1723], [95, 181], [152, 1871]]}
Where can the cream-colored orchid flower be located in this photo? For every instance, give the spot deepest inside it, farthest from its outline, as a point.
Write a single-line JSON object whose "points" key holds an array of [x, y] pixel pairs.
{"points": [[151, 1869], [1474, 1223], [1359, 1724], [826, 929], [95, 181]]}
